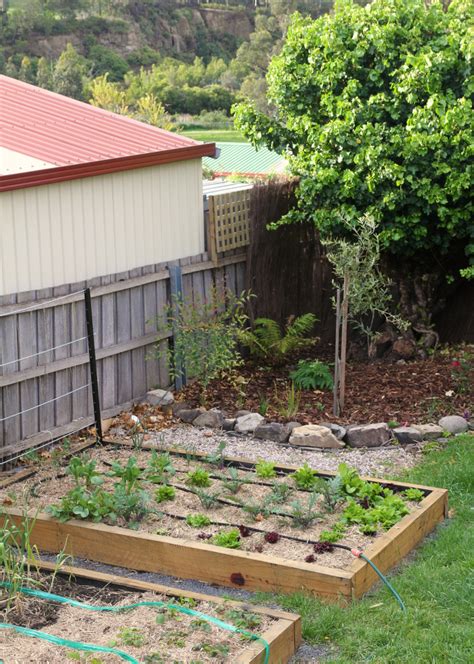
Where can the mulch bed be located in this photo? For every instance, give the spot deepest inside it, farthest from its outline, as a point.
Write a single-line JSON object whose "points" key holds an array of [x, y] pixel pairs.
{"points": [[413, 392]]}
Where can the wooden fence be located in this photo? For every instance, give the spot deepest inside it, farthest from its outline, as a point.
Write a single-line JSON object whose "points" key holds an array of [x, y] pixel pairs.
{"points": [[126, 308]]}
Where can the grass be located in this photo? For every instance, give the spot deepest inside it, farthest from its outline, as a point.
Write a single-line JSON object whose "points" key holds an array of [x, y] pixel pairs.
{"points": [[213, 135], [437, 586]]}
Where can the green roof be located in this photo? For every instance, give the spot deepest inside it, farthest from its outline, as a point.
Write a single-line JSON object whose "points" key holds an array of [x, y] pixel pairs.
{"points": [[244, 158]]}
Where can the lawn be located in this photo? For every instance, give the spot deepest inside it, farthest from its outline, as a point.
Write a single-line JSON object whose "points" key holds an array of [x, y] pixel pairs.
{"points": [[436, 585], [215, 135]]}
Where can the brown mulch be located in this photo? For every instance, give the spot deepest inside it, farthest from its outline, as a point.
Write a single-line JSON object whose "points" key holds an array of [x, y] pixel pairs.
{"points": [[413, 392]]}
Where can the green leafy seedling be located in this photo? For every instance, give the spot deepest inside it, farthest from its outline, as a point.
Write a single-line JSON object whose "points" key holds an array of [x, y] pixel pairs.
{"points": [[265, 469], [198, 477], [305, 477], [131, 636], [198, 520], [164, 493], [230, 539], [414, 494]]}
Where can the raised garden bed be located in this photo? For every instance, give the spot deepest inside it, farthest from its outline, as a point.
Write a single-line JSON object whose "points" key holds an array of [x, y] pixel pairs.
{"points": [[242, 529], [149, 634]]}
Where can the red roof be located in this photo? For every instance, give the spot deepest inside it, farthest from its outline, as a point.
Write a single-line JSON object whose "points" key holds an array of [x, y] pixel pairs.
{"points": [[68, 133]]}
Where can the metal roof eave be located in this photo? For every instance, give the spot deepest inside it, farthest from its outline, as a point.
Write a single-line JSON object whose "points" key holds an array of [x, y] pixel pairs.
{"points": [[104, 167]]}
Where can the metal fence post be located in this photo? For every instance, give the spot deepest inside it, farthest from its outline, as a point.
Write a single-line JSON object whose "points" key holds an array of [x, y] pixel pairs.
{"points": [[93, 364], [176, 292]]}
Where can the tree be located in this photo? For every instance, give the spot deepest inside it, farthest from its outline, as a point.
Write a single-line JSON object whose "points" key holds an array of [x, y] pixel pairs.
{"points": [[372, 106], [26, 72], [69, 73], [44, 74]]}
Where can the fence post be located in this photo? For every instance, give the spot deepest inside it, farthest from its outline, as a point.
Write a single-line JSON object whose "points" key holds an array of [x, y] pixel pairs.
{"points": [[93, 364], [176, 292]]}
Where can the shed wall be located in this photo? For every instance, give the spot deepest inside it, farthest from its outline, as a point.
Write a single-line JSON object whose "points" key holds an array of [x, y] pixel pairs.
{"points": [[82, 229]]}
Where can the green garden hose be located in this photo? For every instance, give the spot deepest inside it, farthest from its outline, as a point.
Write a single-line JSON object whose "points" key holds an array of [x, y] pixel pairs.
{"points": [[117, 609]]}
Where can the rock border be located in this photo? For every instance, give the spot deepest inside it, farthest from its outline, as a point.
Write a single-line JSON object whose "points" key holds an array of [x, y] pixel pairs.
{"points": [[325, 435]]}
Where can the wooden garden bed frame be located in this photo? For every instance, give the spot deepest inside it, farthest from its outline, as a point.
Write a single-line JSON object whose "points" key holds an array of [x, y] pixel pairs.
{"points": [[227, 567], [283, 636]]}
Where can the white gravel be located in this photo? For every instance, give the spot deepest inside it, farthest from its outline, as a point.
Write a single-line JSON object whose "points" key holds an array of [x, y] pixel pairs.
{"points": [[383, 462]]}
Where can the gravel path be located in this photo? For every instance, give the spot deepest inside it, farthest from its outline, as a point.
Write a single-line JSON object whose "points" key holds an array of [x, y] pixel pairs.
{"points": [[383, 462]]}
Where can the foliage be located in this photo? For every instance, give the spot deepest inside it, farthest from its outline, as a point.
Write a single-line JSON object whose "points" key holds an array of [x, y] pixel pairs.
{"points": [[112, 97], [366, 101], [130, 505], [304, 513], [131, 636], [265, 469], [232, 482], [305, 477], [280, 492], [369, 289], [81, 503], [243, 619], [106, 61], [330, 490], [198, 520], [230, 539], [266, 341], [312, 375], [288, 404], [334, 535], [198, 477], [164, 493], [462, 373], [414, 494], [205, 336], [217, 458], [69, 72], [208, 500], [82, 468], [159, 468], [128, 474]]}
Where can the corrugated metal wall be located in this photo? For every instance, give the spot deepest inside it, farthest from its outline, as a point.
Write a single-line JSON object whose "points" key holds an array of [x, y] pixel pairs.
{"points": [[82, 229]]}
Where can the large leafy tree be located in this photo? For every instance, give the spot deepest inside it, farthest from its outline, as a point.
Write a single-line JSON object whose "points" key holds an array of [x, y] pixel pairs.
{"points": [[373, 106]]}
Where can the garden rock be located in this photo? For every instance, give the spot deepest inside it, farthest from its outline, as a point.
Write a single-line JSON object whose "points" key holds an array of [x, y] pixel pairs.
{"points": [[336, 429], [404, 348], [179, 406], [368, 435], [429, 431], [159, 398], [273, 431], [248, 423], [228, 423], [313, 435], [407, 435], [188, 415], [453, 424], [211, 419], [241, 413]]}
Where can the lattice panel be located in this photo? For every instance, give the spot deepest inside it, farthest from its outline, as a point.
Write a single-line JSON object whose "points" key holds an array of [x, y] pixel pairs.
{"points": [[229, 221]]}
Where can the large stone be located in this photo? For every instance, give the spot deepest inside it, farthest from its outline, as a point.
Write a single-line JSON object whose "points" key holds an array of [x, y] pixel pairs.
{"points": [[248, 423], [407, 435], [159, 398], [211, 419], [273, 431], [429, 431], [241, 413], [180, 405], [188, 415], [313, 435], [229, 423], [335, 429], [368, 435], [454, 424]]}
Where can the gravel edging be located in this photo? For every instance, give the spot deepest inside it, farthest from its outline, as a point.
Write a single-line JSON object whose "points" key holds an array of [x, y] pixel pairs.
{"points": [[367, 461]]}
